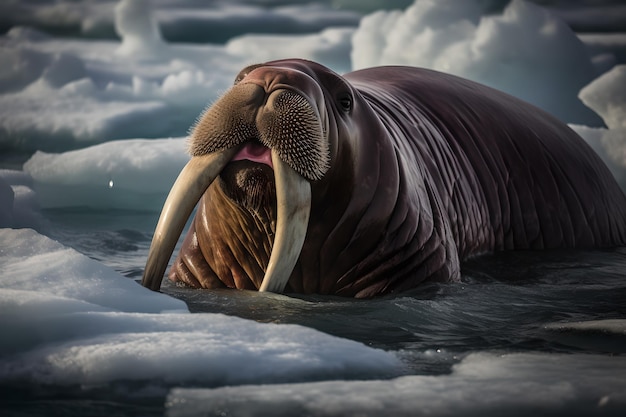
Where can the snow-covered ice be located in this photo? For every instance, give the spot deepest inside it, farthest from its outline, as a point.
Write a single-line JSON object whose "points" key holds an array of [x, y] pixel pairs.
{"points": [[126, 174], [481, 384], [524, 51], [68, 320], [19, 206], [190, 20], [60, 94]]}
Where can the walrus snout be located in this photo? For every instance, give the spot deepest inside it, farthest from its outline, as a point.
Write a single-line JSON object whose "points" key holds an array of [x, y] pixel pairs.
{"points": [[293, 127]]}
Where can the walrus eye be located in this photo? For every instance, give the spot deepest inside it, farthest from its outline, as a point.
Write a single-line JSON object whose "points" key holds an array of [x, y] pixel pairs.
{"points": [[345, 102]]}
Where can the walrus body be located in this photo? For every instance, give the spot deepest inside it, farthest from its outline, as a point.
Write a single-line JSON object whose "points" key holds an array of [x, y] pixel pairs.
{"points": [[410, 171]]}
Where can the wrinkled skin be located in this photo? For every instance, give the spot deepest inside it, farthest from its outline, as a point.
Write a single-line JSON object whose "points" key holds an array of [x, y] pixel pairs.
{"points": [[422, 171]]}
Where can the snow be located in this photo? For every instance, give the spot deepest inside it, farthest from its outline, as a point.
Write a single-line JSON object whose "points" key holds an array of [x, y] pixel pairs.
{"points": [[525, 50], [68, 320], [496, 384], [74, 94]]}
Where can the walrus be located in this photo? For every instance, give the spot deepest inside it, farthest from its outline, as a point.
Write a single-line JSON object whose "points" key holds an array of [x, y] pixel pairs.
{"points": [[374, 182]]}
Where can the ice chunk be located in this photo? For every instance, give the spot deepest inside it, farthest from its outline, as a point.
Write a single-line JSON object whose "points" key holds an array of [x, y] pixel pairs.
{"points": [[136, 25], [18, 203], [606, 95], [32, 262], [482, 383], [68, 320], [525, 51], [607, 335], [131, 174], [331, 47]]}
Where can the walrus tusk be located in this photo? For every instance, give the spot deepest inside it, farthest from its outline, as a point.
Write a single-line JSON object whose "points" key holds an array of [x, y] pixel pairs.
{"points": [[293, 204], [293, 200], [191, 183]]}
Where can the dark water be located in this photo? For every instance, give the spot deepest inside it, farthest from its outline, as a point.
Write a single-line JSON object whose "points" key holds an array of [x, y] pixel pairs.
{"points": [[503, 303]]}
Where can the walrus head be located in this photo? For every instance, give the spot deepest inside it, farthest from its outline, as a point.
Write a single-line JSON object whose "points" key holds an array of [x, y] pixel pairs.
{"points": [[267, 141]]}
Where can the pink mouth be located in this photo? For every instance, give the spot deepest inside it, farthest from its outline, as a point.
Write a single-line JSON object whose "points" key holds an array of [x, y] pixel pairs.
{"points": [[255, 152]]}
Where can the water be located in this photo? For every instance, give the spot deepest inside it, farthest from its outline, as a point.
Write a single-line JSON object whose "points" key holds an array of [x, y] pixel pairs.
{"points": [[504, 303]]}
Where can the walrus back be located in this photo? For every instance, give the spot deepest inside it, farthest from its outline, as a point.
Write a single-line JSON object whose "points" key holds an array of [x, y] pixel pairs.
{"points": [[541, 184]]}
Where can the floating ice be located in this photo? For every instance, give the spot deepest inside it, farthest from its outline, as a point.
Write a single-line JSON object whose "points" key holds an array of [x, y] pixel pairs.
{"points": [[226, 21], [59, 95], [607, 335], [187, 20], [130, 174], [331, 47], [482, 383], [607, 96], [32, 262], [525, 51], [18, 203], [68, 320], [138, 28]]}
